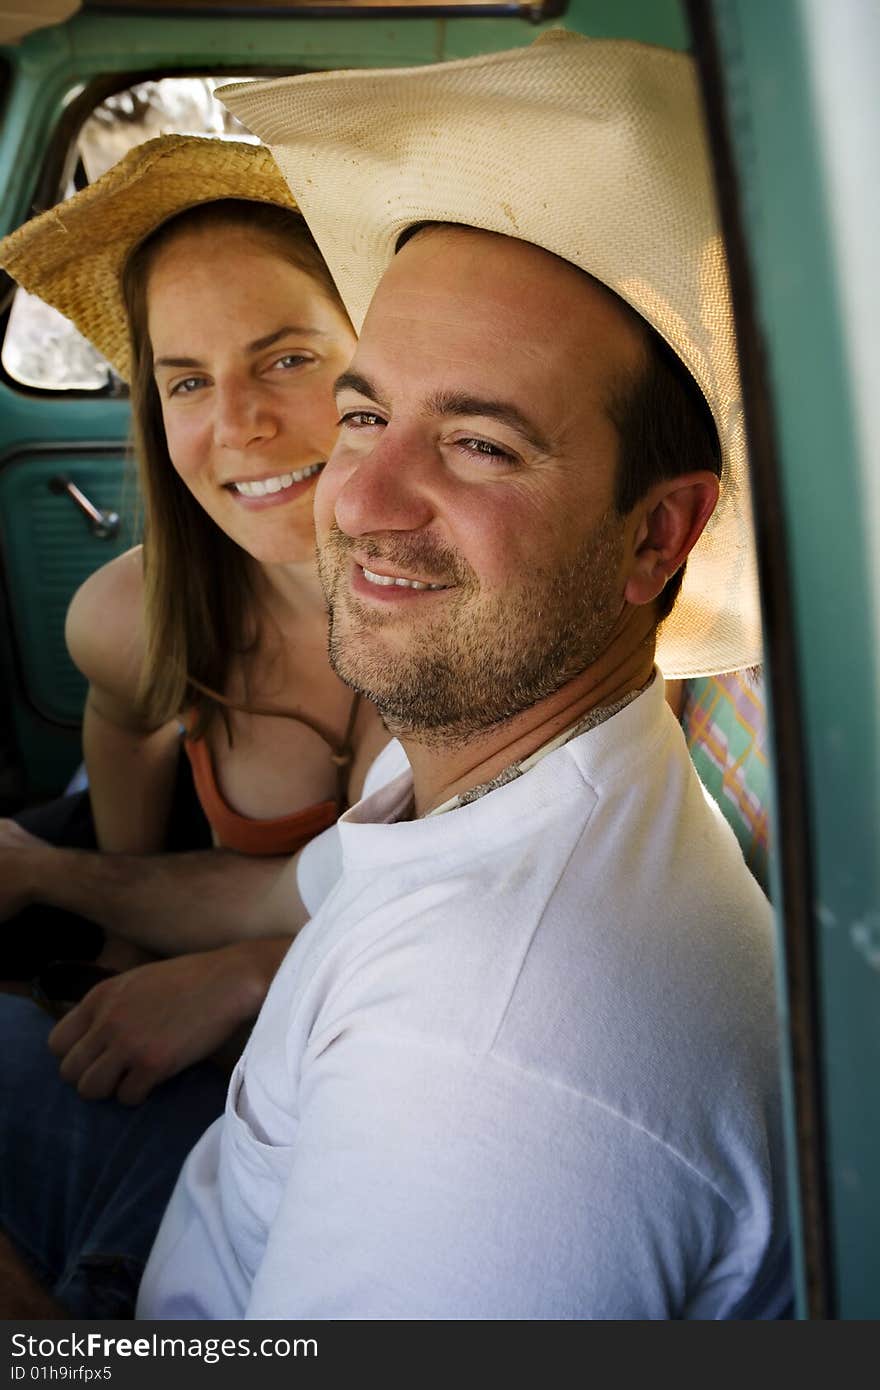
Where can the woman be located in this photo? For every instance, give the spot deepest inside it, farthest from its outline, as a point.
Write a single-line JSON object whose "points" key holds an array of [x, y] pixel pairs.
{"points": [[189, 268], [203, 287]]}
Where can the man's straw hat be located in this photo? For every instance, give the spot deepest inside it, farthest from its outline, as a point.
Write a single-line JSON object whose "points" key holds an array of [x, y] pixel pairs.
{"points": [[593, 150], [73, 255]]}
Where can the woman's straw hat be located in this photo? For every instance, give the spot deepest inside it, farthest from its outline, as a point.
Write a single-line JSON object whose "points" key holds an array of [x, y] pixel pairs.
{"points": [[73, 255], [593, 150]]}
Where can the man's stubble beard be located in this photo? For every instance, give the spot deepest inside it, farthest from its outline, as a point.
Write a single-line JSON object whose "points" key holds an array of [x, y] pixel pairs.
{"points": [[476, 664]]}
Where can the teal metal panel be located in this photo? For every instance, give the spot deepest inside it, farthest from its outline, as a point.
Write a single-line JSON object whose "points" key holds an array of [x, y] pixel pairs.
{"points": [[649, 21], [46, 551], [787, 211], [28, 417], [51, 752], [48, 548]]}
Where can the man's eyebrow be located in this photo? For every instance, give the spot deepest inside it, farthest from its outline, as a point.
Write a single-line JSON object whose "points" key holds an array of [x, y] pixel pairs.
{"points": [[289, 330], [505, 412], [456, 403], [353, 381]]}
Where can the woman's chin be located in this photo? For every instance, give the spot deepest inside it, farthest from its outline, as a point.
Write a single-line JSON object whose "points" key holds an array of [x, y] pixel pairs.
{"points": [[285, 550], [282, 538]]}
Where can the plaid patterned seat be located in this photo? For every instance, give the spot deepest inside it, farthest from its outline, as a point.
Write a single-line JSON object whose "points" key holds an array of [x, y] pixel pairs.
{"points": [[724, 722]]}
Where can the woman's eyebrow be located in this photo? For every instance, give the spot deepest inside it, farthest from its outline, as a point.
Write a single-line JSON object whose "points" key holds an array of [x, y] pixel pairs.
{"points": [[290, 330]]}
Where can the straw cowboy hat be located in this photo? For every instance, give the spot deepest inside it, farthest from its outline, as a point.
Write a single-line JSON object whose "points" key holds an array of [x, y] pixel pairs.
{"points": [[593, 150], [73, 255]]}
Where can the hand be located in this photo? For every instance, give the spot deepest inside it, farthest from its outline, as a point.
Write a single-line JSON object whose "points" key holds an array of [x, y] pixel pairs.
{"points": [[20, 854], [22, 1298], [139, 1028]]}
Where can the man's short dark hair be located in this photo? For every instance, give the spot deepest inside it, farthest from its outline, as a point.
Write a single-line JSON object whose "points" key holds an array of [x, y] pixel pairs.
{"points": [[666, 429]]}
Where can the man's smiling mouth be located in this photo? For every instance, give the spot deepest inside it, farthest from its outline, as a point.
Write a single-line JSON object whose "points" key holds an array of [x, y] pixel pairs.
{"points": [[390, 579], [265, 486]]}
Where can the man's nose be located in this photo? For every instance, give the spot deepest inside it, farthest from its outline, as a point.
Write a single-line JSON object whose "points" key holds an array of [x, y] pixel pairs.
{"points": [[241, 416], [392, 488]]}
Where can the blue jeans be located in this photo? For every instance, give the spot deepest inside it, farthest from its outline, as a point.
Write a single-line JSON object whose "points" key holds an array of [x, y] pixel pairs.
{"points": [[84, 1184]]}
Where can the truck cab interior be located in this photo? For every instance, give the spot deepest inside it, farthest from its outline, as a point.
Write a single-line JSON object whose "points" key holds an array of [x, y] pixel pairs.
{"points": [[793, 757]]}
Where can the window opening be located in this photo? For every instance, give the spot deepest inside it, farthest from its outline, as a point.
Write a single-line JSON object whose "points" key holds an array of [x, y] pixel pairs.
{"points": [[41, 349]]}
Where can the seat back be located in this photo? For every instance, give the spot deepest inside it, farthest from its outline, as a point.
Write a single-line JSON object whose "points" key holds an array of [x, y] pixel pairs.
{"points": [[724, 722]]}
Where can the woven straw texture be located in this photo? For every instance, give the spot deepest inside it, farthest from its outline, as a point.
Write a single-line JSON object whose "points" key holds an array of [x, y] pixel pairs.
{"points": [[73, 255], [593, 150]]}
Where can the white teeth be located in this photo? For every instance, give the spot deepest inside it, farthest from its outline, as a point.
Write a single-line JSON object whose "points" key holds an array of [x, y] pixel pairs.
{"points": [[388, 579], [278, 484]]}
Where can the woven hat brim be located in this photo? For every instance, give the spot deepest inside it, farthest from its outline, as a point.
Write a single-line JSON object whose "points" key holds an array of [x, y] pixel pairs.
{"points": [[72, 256], [593, 150]]}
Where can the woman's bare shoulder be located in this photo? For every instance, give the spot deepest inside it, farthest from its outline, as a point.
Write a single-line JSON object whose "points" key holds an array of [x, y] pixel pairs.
{"points": [[105, 625]]}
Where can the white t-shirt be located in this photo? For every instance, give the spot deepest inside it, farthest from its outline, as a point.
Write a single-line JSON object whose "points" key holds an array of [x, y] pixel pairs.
{"points": [[521, 1064], [319, 863]]}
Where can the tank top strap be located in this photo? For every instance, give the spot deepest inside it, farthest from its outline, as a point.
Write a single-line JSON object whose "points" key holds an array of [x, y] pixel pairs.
{"points": [[344, 755], [341, 753]]}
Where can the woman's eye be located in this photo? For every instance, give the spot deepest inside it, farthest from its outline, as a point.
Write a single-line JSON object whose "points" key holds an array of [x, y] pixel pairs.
{"points": [[360, 419], [187, 386], [290, 360]]}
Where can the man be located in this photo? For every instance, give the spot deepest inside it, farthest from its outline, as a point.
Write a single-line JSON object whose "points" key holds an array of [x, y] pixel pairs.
{"points": [[521, 1063]]}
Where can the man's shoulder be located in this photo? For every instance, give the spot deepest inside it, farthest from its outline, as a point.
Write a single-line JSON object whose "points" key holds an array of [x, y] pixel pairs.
{"points": [[653, 953], [652, 821]]}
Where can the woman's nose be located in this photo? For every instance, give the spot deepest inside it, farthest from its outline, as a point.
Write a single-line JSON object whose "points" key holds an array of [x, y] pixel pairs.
{"points": [[241, 416]]}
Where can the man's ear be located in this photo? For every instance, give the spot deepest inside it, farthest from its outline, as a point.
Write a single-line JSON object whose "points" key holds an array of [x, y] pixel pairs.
{"points": [[670, 519]]}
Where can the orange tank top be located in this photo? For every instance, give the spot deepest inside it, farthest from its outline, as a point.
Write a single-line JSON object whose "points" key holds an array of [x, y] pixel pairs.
{"points": [[281, 834]]}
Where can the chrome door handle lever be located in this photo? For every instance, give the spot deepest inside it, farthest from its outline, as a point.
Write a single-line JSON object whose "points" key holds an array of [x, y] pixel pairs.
{"points": [[103, 525]]}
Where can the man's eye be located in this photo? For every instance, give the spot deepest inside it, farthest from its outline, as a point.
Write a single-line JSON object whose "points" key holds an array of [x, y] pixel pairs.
{"points": [[486, 449], [360, 419]]}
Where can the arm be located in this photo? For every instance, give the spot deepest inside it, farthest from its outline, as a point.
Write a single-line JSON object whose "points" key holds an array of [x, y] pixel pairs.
{"points": [[145, 1025], [131, 767], [131, 777], [429, 1185], [170, 904], [165, 904]]}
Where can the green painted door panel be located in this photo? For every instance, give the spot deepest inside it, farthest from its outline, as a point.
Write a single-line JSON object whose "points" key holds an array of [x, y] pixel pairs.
{"points": [[48, 547]]}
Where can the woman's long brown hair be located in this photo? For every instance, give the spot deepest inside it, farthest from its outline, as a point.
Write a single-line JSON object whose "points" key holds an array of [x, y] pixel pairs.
{"points": [[199, 602]]}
